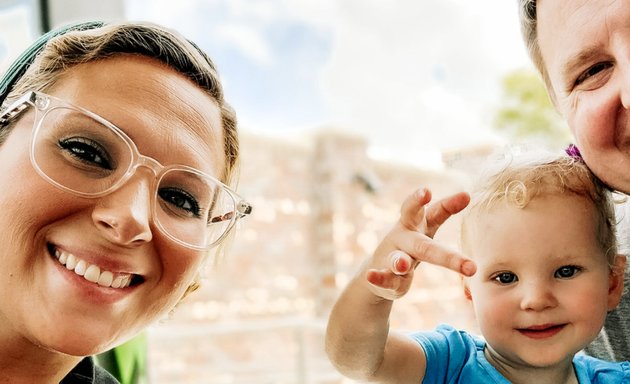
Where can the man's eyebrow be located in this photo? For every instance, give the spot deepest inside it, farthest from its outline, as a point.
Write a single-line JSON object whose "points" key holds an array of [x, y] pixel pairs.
{"points": [[574, 62]]}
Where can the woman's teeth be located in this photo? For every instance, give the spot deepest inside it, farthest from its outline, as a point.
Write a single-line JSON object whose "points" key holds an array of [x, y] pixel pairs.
{"points": [[92, 272]]}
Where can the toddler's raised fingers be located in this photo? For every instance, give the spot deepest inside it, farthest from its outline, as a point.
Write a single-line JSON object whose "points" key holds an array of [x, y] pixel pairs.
{"points": [[424, 249], [442, 210], [412, 209]]}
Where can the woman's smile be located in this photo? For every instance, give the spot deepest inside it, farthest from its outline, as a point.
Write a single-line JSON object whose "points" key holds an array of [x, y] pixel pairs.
{"points": [[92, 272], [90, 281]]}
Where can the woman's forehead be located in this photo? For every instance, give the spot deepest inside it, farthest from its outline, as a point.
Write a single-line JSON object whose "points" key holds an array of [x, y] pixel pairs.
{"points": [[166, 114]]}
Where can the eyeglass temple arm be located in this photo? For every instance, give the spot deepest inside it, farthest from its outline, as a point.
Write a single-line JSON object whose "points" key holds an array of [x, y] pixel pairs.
{"points": [[243, 209], [17, 107]]}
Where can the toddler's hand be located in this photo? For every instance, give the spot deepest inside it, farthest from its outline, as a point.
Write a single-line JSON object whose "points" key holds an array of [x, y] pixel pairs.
{"points": [[411, 241]]}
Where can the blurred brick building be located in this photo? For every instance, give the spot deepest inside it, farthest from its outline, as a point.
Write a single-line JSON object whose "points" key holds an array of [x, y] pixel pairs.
{"points": [[320, 207]]}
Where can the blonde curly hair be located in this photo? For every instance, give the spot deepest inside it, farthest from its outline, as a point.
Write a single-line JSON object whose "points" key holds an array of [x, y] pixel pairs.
{"points": [[519, 179]]}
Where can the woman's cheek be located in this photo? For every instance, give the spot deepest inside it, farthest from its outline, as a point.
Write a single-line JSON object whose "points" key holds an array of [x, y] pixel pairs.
{"points": [[181, 269]]}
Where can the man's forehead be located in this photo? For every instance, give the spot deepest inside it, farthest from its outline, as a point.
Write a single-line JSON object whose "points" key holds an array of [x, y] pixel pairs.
{"points": [[573, 30], [569, 34]]}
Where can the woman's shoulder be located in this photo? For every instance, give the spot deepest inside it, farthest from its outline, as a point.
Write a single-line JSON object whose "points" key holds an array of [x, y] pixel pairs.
{"points": [[101, 376], [86, 372]]}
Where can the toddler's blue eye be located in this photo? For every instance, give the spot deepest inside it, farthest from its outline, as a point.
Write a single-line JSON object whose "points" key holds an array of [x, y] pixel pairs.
{"points": [[506, 278], [567, 271]]}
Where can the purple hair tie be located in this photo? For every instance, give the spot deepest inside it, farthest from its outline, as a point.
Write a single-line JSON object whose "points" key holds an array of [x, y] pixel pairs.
{"points": [[574, 152]]}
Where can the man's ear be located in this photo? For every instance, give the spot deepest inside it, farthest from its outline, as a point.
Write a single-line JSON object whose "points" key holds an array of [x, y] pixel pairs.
{"points": [[615, 282]]}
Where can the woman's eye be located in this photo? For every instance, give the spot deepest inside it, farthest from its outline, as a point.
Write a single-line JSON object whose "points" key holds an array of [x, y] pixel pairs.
{"points": [[567, 271], [86, 151], [180, 201], [592, 71], [505, 278]]}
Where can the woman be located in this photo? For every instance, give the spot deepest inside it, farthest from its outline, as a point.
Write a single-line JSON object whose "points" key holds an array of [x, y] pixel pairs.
{"points": [[581, 50], [117, 147]]}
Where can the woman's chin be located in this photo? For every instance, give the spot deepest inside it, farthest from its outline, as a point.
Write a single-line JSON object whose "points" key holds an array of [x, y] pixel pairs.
{"points": [[75, 338], [74, 345]]}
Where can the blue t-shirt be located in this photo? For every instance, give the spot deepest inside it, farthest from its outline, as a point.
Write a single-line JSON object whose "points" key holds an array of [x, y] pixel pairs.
{"points": [[455, 356]]}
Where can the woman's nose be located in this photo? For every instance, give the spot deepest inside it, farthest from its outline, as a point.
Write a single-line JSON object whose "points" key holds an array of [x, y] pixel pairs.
{"points": [[537, 296], [123, 216]]}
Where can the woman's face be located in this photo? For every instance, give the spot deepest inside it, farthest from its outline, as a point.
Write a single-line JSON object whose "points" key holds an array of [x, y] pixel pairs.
{"points": [[585, 47], [170, 119]]}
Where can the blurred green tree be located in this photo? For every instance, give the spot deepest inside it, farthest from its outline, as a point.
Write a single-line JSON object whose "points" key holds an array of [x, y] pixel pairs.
{"points": [[527, 114]]}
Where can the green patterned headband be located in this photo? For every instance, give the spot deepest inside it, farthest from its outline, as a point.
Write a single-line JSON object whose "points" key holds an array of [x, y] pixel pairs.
{"points": [[19, 66]]}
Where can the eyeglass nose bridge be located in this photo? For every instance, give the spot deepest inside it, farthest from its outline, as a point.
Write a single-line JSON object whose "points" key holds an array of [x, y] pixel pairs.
{"points": [[139, 161], [147, 162]]}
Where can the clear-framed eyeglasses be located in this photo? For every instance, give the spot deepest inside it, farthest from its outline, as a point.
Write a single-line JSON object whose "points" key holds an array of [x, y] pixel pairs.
{"points": [[82, 153]]}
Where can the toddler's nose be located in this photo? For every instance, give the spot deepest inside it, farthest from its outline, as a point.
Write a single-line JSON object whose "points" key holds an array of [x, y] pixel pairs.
{"points": [[537, 296]]}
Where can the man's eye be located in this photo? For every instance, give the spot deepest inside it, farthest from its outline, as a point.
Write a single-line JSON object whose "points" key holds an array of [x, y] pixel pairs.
{"points": [[86, 151], [505, 278], [592, 71], [567, 271]]}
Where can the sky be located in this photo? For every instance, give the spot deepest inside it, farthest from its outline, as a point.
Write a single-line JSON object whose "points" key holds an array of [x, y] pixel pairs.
{"points": [[413, 77]]}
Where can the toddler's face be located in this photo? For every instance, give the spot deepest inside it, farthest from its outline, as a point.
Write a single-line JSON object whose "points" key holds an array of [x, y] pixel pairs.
{"points": [[543, 284]]}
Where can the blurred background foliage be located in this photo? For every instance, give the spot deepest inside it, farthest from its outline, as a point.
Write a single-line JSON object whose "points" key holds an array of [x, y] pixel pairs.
{"points": [[128, 361], [526, 112]]}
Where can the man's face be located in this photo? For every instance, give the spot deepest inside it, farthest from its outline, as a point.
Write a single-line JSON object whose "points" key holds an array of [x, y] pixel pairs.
{"points": [[585, 46]]}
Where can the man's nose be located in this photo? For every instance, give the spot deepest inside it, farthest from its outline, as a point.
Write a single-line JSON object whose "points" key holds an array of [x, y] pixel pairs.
{"points": [[124, 216], [623, 71]]}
